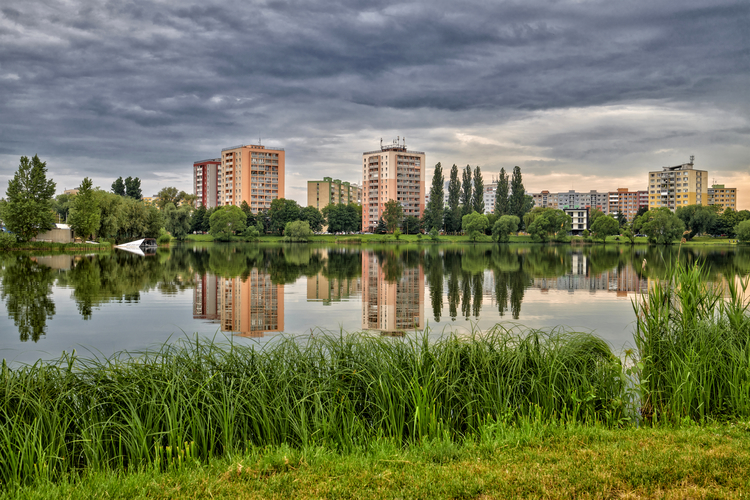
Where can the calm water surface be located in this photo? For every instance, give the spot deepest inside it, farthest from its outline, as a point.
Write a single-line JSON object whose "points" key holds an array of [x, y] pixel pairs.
{"points": [[250, 293]]}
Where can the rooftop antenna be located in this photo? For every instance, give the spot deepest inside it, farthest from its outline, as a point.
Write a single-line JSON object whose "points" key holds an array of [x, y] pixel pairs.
{"points": [[381, 143], [692, 157]]}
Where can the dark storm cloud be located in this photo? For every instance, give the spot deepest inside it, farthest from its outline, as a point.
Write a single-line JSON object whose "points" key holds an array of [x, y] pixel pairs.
{"points": [[154, 85]]}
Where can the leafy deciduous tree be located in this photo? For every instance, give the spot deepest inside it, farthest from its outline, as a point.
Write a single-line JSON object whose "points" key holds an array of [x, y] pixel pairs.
{"points": [[28, 207], [604, 226], [85, 215], [505, 225], [118, 187], [392, 214], [474, 224], [226, 221], [133, 188]]}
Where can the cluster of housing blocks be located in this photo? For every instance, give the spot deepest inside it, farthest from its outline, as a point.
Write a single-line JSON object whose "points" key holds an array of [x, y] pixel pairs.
{"points": [[255, 174]]}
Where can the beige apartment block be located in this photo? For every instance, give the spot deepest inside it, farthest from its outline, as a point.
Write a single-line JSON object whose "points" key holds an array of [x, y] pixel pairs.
{"points": [[392, 306], [677, 186], [392, 173], [723, 196], [251, 173], [332, 191]]}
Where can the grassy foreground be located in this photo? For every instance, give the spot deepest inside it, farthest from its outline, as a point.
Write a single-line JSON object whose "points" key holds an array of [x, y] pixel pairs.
{"points": [[531, 460]]}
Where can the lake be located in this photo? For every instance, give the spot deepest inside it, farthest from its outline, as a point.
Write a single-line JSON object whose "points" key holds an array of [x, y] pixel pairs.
{"points": [[103, 303]]}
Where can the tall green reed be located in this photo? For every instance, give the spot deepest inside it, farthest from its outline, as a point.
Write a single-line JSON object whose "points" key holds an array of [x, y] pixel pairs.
{"points": [[192, 400], [694, 347]]}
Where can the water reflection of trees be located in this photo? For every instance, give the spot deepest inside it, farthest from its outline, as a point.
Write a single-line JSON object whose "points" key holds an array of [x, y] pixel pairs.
{"points": [[26, 290], [456, 274]]}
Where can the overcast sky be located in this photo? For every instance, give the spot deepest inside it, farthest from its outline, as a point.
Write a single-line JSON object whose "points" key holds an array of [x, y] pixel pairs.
{"points": [[580, 94]]}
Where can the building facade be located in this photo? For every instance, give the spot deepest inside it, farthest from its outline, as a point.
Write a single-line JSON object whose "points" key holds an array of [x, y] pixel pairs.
{"points": [[332, 191], [723, 196], [580, 219], [625, 202], [392, 173], [205, 182], [251, 173], [677, 186]]}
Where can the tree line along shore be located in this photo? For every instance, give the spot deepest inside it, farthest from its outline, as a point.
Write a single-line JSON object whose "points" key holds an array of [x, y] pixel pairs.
{"points": [[121, 215]]}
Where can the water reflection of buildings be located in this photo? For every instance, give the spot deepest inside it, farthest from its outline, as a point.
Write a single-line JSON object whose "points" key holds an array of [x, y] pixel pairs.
{"points": [[622, 280], [391, 306], [248, 308], [327, 290]]}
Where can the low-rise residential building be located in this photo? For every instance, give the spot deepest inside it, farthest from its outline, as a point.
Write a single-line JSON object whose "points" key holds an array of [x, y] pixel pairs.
{"points": [[332, 191], [580, 219], [723, 196]]}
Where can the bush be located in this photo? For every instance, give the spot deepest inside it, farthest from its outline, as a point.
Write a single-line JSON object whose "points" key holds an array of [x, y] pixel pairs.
{"points": [[164, 237], [397, 233], [434, 234], [298, 230], [742, 230], [7, 241]]}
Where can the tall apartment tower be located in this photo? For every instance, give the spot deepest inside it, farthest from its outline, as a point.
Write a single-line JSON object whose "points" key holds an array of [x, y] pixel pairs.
{"points": [[322, 193], [205, 182], [251, 173], [392, 173], [677, 186]]}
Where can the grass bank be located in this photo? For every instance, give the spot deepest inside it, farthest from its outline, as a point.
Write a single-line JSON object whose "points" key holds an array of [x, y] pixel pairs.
{"points": [[528, 460]]}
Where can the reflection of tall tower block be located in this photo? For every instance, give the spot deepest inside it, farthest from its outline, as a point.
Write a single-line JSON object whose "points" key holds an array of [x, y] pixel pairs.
{"points": [[391, 306], [206, 297], [252, 307]]}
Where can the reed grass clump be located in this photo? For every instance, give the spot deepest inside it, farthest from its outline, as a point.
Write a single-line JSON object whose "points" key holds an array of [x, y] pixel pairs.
{"points": [[693, 340], [192, 400]]}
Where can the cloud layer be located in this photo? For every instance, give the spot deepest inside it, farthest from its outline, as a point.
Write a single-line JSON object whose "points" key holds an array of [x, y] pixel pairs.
{"points": [[581, 94]]}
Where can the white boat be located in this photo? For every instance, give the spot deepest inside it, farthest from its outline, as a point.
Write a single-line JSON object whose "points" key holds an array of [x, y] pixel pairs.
{"points": [[137, 246]]}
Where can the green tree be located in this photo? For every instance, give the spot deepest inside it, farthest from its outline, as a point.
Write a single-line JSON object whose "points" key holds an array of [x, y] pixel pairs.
{"points": [[595, 214], [742, 230], [411, 225], [226, 221], [196, 220], [133, 188], [61, 205], [392, 214], [474, 224], [697, 218], [477, 202], [501, 194], [282, 212], [453, 219], [621, 219], [28, 207], [466, 192], [660, 225], [85, 214], [502, 228], [168, 195], [177, 220], [313, 217], [604, 226], [118, 187], [298, 230], [381, 228], [434, 213], [517, 203], [542, 223], [628, 233]]}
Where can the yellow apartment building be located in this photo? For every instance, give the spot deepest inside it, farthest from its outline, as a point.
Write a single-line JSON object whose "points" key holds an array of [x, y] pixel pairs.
{"points": [[332, 191], [677, 186], [392, 173], [251, 173], [723, 196]]}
